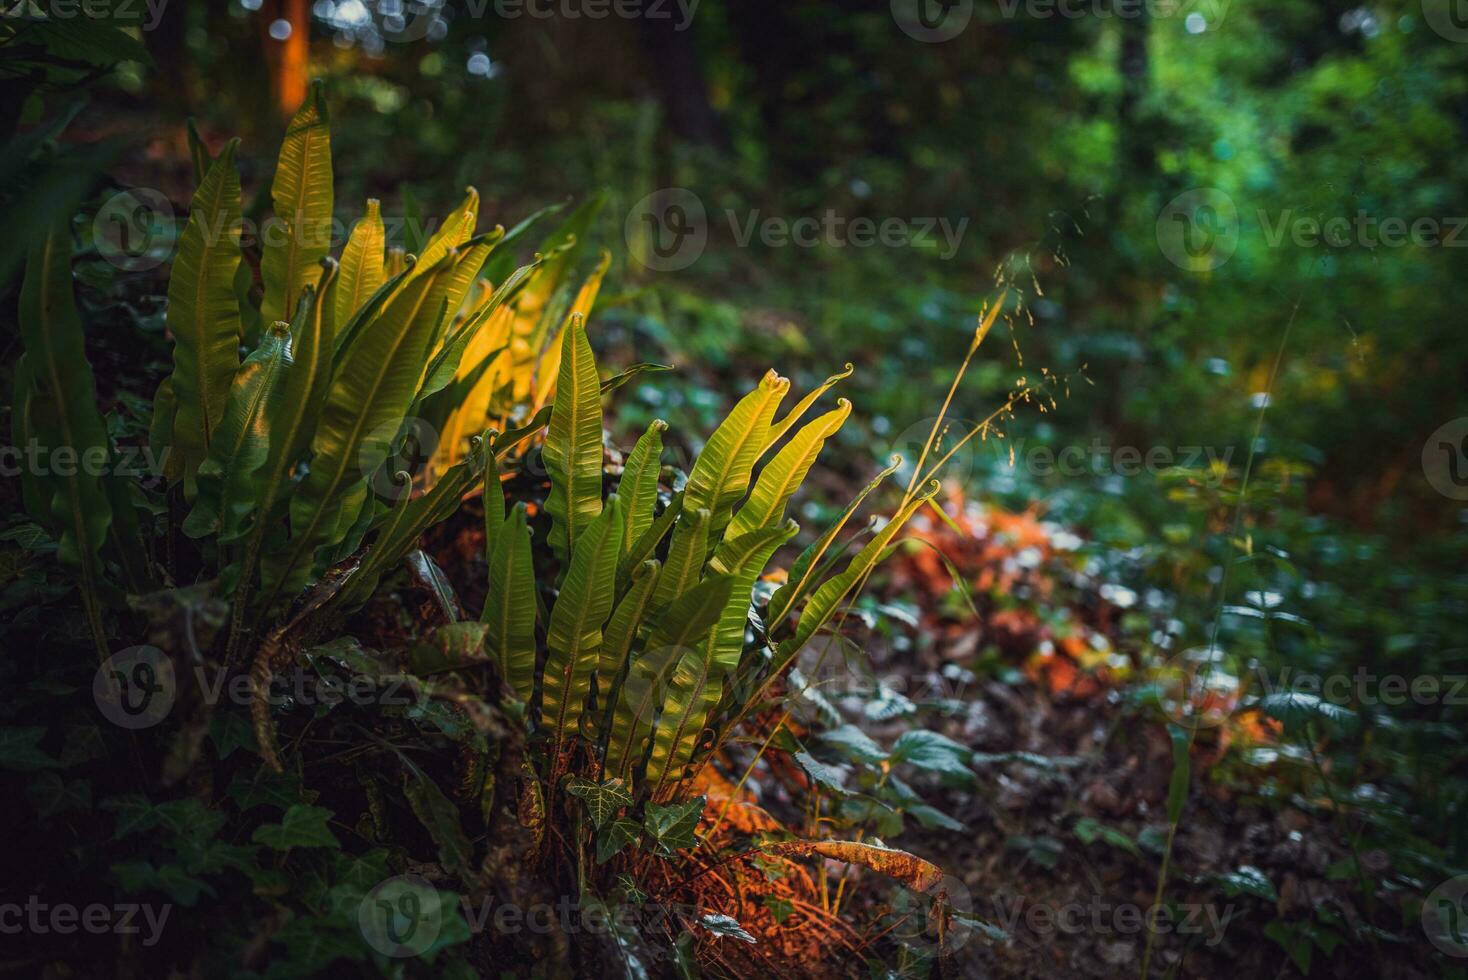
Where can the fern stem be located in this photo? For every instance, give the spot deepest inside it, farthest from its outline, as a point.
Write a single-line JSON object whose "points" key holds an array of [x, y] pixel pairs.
{"points": [[979, 334]]}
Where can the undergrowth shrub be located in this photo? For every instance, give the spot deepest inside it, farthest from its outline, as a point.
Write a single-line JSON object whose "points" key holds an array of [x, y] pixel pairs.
{"points": [[563, 742], [297, 381]]}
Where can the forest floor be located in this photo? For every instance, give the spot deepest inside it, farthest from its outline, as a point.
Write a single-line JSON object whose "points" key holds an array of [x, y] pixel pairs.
{"points": [[1068, 824], [1065, 827]]}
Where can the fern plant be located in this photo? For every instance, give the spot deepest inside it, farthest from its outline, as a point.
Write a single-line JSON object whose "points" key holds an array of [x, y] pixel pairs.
{"points": [[290, 397], [640, 667]]}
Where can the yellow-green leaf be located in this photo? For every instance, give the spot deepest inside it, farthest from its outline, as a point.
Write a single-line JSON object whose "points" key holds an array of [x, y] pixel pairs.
{"points": [[301, 196], [784, 474], [365, 404], [573, 450], [362, 264], [682, 626], [61, 414], [778, 429], [204, 314], [574, 634], [399, 530], [509, 606], [721, 473], [696, 685], [686, 555], [638, 487], [228, 490], [620, 633]]}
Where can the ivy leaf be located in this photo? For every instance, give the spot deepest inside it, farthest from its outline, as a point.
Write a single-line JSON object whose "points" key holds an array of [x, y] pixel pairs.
{"points": [[672, 826], [724, 925], [50, 794], [141, 876], [440, 818], [302, 826], [1294, 942], [935, 753], [603, 800], [267, 788], [315, 942], [190, 820], [1248, 880], [829, 776], [855, 744], [1296, 710], [1088, 831], [1043, 850], [617, 835], [30, 536], [83, 744], [356, 875], [215, 856], [407, 916], [20, 750], [229, 731], [135, 813], [931, 817]]}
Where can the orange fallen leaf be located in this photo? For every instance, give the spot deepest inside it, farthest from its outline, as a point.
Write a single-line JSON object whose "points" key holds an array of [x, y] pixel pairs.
{"points": [[909, 869]]}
